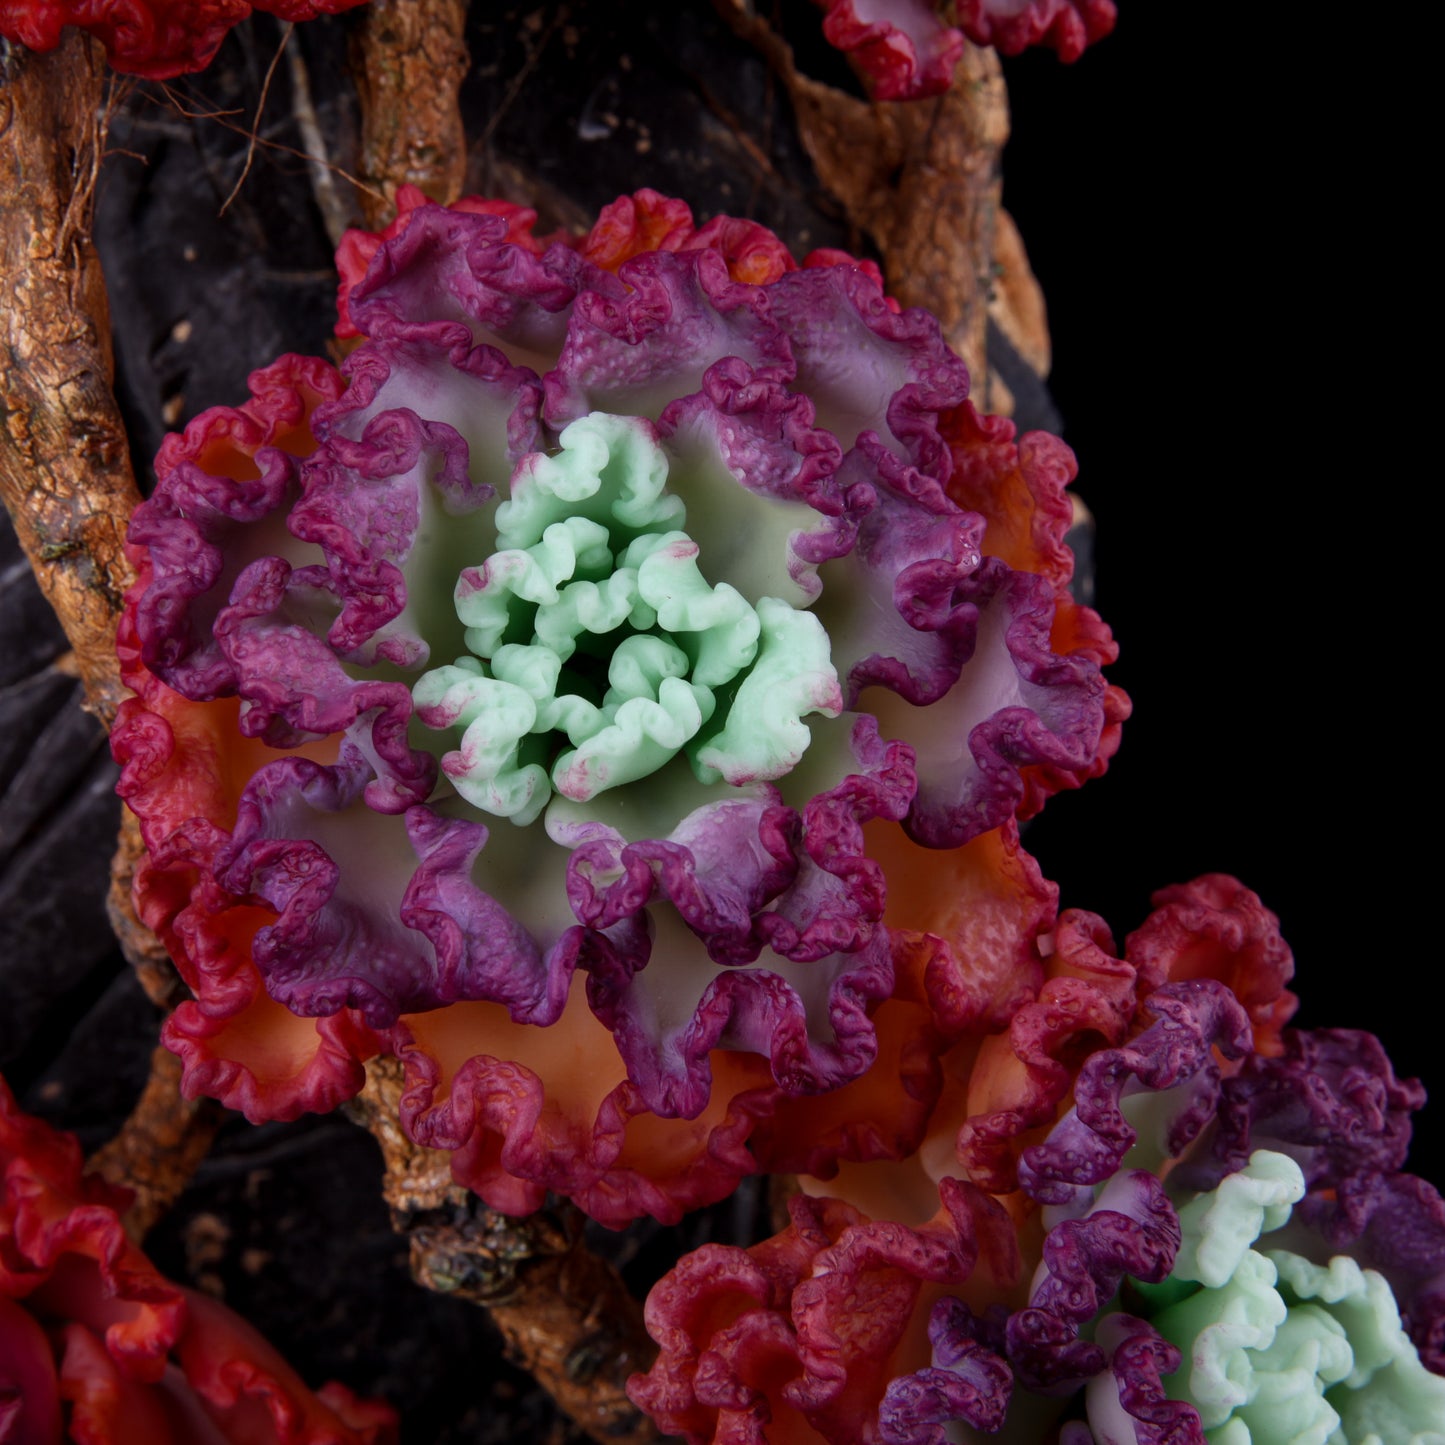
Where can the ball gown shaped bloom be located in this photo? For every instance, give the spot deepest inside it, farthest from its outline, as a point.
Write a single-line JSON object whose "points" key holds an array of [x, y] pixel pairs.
{"points": [[1068, 1189], [519, 700]]}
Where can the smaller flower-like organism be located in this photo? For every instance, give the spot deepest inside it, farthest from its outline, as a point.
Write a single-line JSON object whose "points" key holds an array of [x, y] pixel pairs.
{"points": [[1013, 1273], [1273, 1345], [97, 1348], [155, 39], [1000, 1012], [907, 49], [1066, 26]]}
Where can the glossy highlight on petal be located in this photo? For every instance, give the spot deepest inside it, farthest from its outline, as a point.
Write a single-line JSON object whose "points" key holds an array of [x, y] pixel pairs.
{"points": [[155, 39], [1067, 26], [549, 666], [96, 1347]]}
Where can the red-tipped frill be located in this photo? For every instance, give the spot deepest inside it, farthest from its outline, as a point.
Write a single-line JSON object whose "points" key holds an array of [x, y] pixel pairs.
{"points": [[534, 697], [1067, 26], [155, 39], [96, 1347]]}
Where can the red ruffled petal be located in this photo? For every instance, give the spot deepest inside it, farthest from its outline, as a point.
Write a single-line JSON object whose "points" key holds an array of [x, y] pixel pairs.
{"points": [[86, 1319], [903, 48], [1068, 26], [798, 1338], [156, 39], [525, 1109]]}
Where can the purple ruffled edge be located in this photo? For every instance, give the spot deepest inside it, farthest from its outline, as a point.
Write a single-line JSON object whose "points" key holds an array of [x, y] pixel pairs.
{"points": [[1191, 1020], [809, 892], [445, 942]]}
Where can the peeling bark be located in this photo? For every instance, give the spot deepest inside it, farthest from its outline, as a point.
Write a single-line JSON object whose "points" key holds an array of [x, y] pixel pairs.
{"points": [[64, 467], [160, 1145], [409, 60], [564, 1313]]}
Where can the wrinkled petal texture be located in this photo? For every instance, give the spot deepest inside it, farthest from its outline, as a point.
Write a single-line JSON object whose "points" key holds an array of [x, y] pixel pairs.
{"points": [[1272, 1345], [608, 1001], [1056, 1074], [185, 763], [95, 1346], [155, 39], [801, 1337], [902, 47], [1067, 26], [1330, 1100], [906, 50]]}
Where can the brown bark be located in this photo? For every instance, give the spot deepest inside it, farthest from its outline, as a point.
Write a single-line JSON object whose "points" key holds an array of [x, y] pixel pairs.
{"points": [[160, 1146], [564, 1313], [408, 61], [64, 465]]}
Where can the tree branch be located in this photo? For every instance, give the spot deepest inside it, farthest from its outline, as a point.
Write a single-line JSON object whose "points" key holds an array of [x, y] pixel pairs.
{"points": [[64, 465]]}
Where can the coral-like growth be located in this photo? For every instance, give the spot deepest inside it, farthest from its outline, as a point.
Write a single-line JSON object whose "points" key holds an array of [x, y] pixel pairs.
{"points": [[1068, 26], [1061, 1099], [96, 1347], [155, 39], [523, 699]]}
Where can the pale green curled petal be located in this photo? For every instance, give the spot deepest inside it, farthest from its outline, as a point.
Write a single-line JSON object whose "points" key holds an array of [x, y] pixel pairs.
{"points": [[1388, 1395], [495, 716], [640, 738], [1277, 1350], [765, 736], [601, 649], [1219, 1333], [534, 669], [1288, 1401], [715, 624], [1219, 1227], [640, 664], [486, 596], [591, 607], [609, 469]]}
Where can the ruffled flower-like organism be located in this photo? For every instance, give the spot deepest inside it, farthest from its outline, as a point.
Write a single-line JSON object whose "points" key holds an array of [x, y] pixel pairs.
{"points": [[96, 1347], [1330, 1332], [907, 50], [1271, 1345], [536, 699], [978, 1285], [155, 39]]}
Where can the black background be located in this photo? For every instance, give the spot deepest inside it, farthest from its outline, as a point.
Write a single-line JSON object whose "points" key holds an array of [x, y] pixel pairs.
{"points": [[1211, 217]]}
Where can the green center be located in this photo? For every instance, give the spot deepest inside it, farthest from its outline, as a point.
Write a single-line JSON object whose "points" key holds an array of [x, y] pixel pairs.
{"points": [[599, 651]]}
